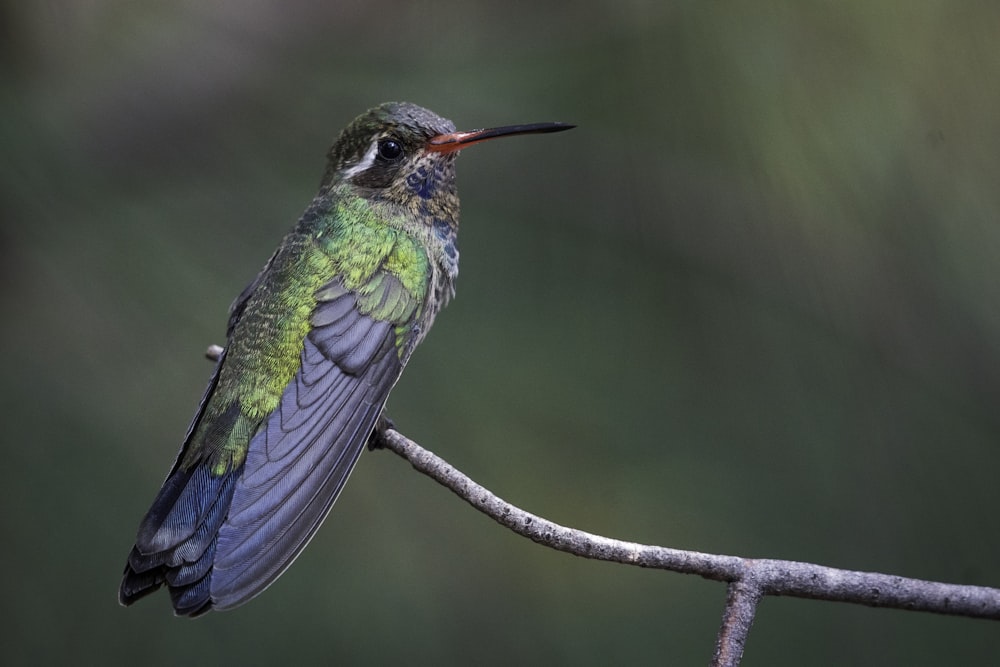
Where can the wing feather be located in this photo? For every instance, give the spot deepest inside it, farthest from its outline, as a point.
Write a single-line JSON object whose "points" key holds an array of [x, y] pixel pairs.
{"points": [[218, 539], [300, 459]]}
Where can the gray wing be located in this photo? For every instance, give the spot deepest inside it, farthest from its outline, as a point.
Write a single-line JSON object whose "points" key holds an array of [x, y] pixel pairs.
{"points": [[301, 457]]}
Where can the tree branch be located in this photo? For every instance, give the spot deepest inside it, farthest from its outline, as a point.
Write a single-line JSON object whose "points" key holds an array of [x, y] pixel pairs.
{"points": [[771, 577], [741, 606], [749, 578]]}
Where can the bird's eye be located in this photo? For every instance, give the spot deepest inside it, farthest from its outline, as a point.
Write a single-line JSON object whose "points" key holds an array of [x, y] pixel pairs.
{"points": [[390, 149]]}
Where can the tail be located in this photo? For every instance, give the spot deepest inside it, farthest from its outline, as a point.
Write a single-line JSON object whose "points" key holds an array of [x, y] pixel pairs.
{"points": [[177, 540]]}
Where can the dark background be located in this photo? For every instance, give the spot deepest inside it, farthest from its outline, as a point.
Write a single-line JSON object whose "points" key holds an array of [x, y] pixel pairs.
{"points": [[748, 306]]}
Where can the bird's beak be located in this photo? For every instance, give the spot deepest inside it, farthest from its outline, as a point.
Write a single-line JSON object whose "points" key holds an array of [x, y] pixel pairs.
{"points": [[446, 143]]}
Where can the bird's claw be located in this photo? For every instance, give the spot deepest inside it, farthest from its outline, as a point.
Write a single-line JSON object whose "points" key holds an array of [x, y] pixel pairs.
{"points": [[377, 439]]}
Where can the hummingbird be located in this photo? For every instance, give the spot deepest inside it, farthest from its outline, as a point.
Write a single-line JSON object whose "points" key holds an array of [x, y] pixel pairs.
{"points": [[314, 346]]}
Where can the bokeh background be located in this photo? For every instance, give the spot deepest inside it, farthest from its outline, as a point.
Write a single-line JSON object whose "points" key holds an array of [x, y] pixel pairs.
{"points": [[749, 306]]}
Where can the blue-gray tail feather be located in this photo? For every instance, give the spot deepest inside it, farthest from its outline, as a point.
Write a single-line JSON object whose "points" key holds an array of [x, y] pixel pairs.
{"points": [[177, 539]]}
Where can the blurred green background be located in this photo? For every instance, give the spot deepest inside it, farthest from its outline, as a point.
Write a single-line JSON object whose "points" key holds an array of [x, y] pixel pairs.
{"points": [[749, 306]]}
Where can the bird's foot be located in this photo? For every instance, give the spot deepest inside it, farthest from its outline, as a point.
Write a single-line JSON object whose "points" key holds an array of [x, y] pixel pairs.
{"points": [[377, 439]]}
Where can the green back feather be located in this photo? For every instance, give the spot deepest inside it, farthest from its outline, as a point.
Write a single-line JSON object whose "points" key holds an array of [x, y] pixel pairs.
{"points": [[347, 247]]}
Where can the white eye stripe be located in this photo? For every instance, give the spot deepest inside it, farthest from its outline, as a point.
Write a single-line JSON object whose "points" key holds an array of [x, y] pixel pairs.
{"points": [[367, 161]]}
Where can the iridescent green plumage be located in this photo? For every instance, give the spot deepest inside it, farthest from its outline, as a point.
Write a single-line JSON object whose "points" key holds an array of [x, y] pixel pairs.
{"points": [[384, 266], [315, 344]]}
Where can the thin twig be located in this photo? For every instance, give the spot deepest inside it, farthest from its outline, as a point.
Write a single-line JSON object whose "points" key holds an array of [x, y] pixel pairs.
{"points": [[773, 577], [741, 606], [749, 579]]}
